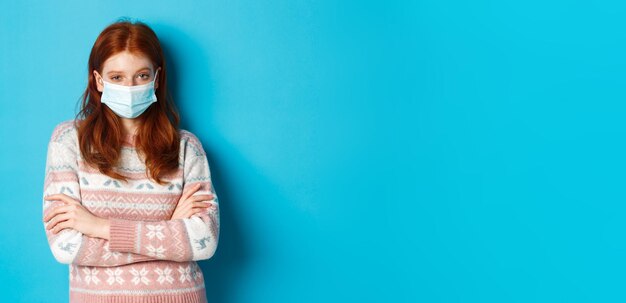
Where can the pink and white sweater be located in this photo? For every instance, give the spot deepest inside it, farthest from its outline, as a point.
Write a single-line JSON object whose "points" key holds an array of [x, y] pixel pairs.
{"points": [[149, 258]]}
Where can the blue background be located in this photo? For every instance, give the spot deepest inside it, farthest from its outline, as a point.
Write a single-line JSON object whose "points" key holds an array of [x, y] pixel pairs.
{"points": [[417, 151]]}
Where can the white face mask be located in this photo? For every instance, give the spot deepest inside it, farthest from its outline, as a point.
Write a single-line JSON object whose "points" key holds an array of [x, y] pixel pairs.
{"points": [[129, 101]]}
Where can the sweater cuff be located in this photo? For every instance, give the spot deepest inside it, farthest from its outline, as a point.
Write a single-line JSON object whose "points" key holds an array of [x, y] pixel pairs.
{"points": [[122, 235]]}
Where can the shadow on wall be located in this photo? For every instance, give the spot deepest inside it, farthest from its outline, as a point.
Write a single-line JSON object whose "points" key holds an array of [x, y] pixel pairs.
{"points": [[222, 271]]}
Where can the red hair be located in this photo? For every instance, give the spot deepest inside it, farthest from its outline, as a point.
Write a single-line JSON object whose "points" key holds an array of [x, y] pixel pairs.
{"points": [[100, 132]]}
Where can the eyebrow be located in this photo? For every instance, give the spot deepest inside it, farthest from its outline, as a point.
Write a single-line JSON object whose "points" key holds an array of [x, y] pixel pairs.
{"points": [[121, 72]]}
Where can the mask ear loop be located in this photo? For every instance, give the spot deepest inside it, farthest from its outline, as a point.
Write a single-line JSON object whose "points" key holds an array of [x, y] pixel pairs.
{"points": [[155, 76]]}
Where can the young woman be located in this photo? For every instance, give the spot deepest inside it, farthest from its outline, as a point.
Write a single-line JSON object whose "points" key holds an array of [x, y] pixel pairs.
{"points": [[128, 199]]}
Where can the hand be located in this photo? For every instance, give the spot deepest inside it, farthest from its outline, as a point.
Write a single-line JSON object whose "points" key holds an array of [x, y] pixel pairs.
{"points": [[189, 205], [72, 214]]}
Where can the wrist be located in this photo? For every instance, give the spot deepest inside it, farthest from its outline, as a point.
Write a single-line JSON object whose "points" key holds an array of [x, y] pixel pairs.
{"points": [[104, 229]]}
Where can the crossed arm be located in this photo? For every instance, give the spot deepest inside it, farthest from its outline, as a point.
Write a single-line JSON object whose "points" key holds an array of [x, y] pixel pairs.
{"points": [[116, 241]]}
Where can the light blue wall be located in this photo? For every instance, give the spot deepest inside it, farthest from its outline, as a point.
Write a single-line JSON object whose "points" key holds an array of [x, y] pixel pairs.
{"points": [[425, 151]]}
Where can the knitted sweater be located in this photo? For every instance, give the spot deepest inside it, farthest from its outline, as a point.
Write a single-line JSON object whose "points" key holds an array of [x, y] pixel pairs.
{"points": [[148, 258]]}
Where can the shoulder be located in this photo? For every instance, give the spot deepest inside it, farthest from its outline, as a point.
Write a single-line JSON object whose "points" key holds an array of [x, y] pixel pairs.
{"points": [[64, 132], [191, 144]]}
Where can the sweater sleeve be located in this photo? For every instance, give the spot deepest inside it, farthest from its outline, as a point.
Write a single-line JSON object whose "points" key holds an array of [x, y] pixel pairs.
{"points": [[188, 239], [70, 246]]}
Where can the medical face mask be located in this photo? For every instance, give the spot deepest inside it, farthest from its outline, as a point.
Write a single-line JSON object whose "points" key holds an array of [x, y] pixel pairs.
{"points": [[128, 101]]}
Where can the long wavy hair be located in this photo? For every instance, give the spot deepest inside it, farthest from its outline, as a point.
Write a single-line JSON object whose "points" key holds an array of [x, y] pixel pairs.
{"points": [[100, 131]]}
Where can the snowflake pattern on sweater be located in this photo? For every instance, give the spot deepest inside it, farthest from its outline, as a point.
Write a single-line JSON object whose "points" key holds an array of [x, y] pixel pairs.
{"points": [[148, 256]]}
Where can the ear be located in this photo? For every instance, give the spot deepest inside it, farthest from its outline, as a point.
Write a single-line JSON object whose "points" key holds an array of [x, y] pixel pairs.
{"points": [[156, 80], [98, 80]]}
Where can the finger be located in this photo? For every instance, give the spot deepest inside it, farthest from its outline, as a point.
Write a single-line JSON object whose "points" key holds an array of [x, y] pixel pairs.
{"points": [[62, 197], [56, 202], [196, 198], [58, 197], [62, 209], [53, 196], [188, 193], [62, 226], [202, 204], [56, 211], [56, 220], [202, 197], [212, 206]]}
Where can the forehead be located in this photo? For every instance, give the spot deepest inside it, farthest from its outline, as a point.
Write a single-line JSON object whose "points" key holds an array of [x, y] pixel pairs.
{"points": [[126, 62]]}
